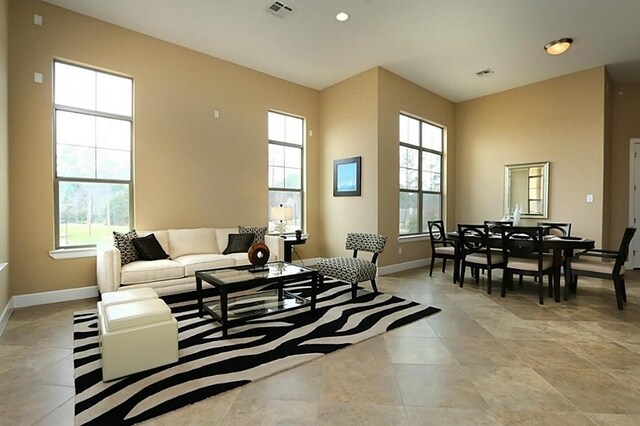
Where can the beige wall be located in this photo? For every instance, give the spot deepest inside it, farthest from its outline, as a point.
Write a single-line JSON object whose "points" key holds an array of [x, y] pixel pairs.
{"points": [[559, 120], [190, 169], [625, 124], [349, 112], [399, 95], [4, 155]]}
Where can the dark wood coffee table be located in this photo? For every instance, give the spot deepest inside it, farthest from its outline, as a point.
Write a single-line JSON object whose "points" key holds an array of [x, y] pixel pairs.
{"points": [[252, 304]]}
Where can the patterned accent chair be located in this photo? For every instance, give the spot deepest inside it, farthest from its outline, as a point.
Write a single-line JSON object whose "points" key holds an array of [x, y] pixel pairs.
{"points": [[354, 269]]}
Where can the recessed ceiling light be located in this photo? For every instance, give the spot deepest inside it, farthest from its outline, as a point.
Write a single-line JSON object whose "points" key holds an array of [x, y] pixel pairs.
{"points": [[558, 47], [342, 16]]}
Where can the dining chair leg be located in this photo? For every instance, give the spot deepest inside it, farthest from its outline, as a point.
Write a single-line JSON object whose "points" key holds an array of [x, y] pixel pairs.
{"points": [[505, 280], [541, 289], [433, 260], [444, 264], [520, 280], [477, 275], [618, 289], [624, 290], [489, 278], [463, 268], [550, 290]]}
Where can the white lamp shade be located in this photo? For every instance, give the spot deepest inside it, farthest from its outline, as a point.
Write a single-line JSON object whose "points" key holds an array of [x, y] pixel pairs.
{"points": [[282, 213]]}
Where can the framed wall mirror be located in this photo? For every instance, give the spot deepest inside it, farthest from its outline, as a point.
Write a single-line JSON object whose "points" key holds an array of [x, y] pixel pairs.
{"points": [[528, 186]]}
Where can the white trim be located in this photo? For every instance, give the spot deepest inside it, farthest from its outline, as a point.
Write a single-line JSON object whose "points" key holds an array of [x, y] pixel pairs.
{"points": [[75, 253], [3, 265], [46, 297], [399, 267], [6, 314]]}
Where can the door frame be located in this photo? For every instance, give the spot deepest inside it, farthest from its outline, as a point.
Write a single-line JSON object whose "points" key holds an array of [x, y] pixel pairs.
{"points": [[632, 175]]}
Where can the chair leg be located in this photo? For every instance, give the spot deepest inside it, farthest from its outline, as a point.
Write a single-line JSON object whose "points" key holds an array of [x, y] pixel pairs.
{"points": [[444, 264], [550, 290], [433, 260], [618, 287], [477, 275], [354, 291], [463, 268], [505, 279], [489, 278], [624, 290], [541, 288], [373, 285], [520, 280]]}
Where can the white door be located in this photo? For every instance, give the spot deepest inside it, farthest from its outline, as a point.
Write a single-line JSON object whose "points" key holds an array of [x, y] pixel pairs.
{"points": [[635, 190]]}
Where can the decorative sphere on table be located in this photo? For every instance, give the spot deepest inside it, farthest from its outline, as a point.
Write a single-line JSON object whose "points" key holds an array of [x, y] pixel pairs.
{"points": [[258, 254]]}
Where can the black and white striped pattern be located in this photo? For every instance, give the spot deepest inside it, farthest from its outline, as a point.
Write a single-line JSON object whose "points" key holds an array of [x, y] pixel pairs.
{"points": [[210, 364]]}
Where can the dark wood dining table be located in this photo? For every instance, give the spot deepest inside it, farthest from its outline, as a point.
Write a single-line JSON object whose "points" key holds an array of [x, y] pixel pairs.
{"points": [[559, 246]]}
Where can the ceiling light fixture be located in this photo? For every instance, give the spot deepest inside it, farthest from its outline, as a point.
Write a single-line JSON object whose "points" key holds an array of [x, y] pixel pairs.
{"points": [[342, 16], [558, 47]]}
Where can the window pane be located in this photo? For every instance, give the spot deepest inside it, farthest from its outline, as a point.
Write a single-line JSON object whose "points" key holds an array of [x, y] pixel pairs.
{"points": [[409, 130], [75, 161], [431, 181], [112, 164], [114, 134], [276, 155], [114, 94], [431, 137], [290, 199], [75, 129], [75, 86], [293, 157], [276, 126], [430, 208], [408, 213], [292, 178], [408, 168], [293, 131], [89, 212], [276, 177]]}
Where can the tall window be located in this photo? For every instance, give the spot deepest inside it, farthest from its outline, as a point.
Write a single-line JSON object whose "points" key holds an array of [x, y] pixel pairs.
{"points": [[420, 174], [93, 121], [286, 136]]}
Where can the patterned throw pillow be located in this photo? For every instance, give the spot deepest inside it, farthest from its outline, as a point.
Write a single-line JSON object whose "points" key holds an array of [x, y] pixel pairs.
{"points": [[124, 243], [258, 232]]}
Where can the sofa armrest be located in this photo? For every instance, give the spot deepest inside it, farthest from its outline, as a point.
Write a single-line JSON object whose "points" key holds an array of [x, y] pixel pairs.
{"points": [[108, 267], [276, 247]]}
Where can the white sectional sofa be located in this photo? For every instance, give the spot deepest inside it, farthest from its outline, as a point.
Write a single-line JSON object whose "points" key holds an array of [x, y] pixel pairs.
{"points": [[189, 250]]}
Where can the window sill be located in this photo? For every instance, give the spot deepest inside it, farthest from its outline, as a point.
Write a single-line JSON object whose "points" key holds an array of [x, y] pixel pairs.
{"points": [[412, 238], [76, 253]]}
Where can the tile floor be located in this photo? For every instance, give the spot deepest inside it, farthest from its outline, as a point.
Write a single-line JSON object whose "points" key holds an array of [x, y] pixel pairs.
{"points": [[483, 360]]}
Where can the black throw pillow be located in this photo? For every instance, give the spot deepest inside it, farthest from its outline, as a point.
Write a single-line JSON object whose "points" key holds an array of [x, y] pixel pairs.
{"points": [[149, 248], [238, 243]]}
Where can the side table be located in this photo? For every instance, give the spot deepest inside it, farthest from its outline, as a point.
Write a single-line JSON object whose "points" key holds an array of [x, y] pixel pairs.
{"points": [[289, 242]]}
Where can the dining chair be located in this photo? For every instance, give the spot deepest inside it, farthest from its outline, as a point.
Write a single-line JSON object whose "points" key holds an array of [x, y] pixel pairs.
{"points": [[604, 264], [441, 248], [354, 269], [523, 255], [562, 229], [495, 225], [476, 252]]}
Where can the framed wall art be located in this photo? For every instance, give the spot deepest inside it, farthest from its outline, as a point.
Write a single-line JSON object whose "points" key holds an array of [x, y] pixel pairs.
{"points": [[346, 177]]}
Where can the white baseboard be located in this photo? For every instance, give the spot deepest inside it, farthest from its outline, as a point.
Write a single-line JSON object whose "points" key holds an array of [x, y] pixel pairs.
{"points": [[6, 313], [399, 267], [46, 297]]}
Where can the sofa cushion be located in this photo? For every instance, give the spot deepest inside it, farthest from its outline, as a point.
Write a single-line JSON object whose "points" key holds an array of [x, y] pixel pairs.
{"points": [[123, 242], [199, 262], [149, 248], [192, 241], [161, 236], [258, 232], [238, 243], [241, 259], [144, 271]]}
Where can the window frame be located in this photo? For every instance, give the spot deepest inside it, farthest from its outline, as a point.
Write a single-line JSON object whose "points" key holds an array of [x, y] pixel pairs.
{"points": [[420, 192], [301, 147], [94, 113]]}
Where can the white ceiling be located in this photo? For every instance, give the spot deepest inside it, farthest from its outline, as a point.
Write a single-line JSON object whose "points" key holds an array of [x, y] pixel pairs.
{"points": [[437, 44]]}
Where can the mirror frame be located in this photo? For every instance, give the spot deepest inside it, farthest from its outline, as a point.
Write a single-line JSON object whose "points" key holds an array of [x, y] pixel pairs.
{"points": [[545, 185]]}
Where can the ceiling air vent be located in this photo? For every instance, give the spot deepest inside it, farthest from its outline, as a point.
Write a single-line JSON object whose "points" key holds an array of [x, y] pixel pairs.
{"points": [[484, 72], [279, 9]]}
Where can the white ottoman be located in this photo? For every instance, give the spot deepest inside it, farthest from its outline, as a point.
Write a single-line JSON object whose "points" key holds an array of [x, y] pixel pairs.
{"points": [[136, 336], [126, 296]]}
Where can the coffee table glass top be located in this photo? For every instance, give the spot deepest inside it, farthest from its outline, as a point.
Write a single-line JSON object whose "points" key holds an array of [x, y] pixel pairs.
{"points": [[247, 273]]}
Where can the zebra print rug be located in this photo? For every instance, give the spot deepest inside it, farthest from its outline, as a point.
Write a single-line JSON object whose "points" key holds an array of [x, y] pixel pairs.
{"points": [[209, 364]]}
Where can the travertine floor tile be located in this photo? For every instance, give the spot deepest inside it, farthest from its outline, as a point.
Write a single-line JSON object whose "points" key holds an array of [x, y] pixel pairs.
{"points": [[340, 413], [428, 416], [252, 412], [542, 418], [418, 350]]}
